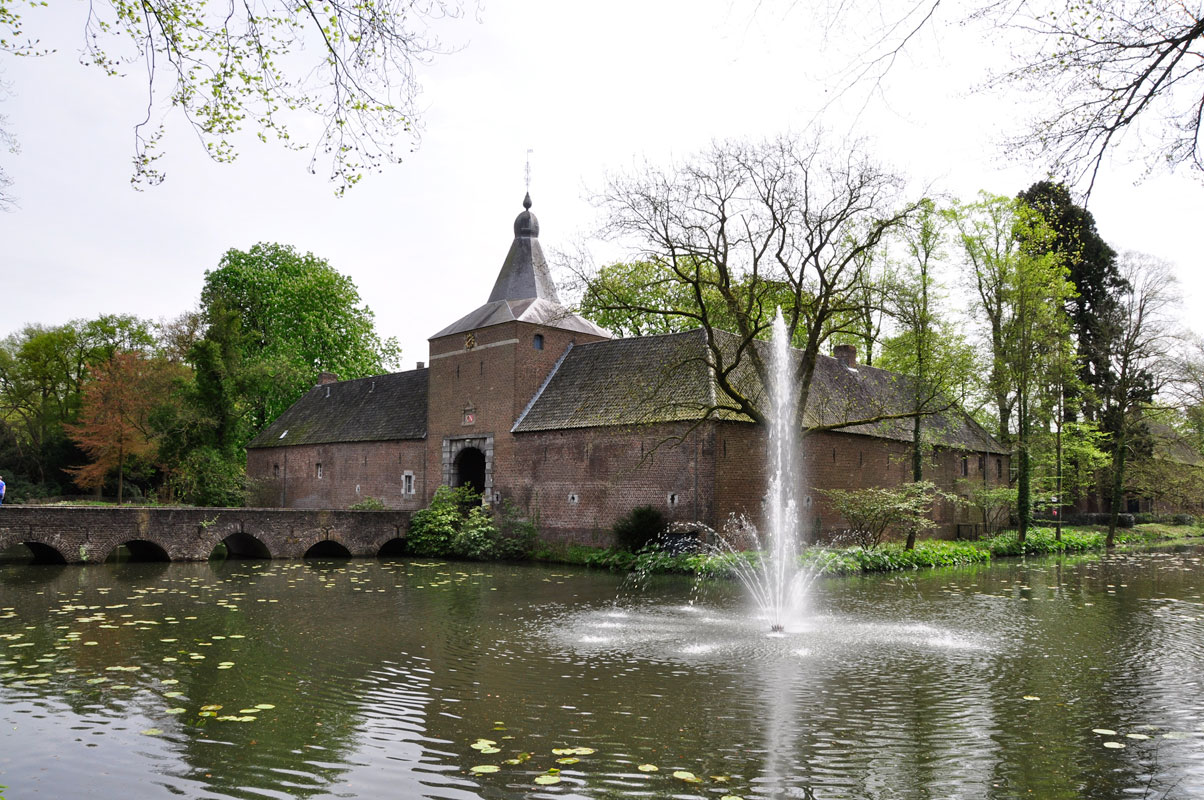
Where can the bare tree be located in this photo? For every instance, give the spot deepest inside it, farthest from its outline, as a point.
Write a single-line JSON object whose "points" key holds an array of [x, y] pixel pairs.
{"points": [[744, 228], [1141, 358]]}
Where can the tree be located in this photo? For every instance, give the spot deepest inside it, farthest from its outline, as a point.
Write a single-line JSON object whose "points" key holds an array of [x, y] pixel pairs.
{"points": [[870, 513], [1020, 288], [744, 228], [277, 319], [115, 423], [1140, 360], [931, 353], [1110, 65], [1096, 71], [349, 64]]}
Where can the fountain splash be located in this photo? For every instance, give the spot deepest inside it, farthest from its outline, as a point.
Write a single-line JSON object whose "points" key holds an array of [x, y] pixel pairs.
{"points": [[776, 582]]}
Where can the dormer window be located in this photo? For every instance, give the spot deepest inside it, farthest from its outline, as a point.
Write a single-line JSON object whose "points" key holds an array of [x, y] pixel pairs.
{"points": [[537, 342]]}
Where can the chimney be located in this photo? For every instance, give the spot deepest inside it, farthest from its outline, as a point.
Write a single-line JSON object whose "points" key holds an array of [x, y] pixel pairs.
{"points": [[421, 365], [327, 377], [846, 354]]}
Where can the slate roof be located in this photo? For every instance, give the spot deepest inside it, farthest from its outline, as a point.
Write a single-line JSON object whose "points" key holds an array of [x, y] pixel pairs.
{"points": [[381, 408], [524, 289], [652, 379], [535, 310]]}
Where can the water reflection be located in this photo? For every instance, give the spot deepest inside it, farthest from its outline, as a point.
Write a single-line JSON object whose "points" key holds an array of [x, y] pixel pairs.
{"points": [[368, 679]]}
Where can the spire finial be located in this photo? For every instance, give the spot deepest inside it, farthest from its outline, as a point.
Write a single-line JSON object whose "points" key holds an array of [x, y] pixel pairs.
{"points": [[527, 201]]}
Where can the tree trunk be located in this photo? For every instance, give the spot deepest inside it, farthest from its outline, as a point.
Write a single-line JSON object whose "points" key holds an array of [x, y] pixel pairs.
{"points": [[917, 472], [1024, 478], [1118, 483]]}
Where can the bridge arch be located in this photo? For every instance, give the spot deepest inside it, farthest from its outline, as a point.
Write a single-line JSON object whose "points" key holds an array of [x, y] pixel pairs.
{"points": [[393, 548], [39, 552], [136, 550], [241, 544], [327, 548]]}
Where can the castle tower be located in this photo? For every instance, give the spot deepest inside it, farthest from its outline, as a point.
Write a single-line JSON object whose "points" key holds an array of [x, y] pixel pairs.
{"points": [[487, 366]]}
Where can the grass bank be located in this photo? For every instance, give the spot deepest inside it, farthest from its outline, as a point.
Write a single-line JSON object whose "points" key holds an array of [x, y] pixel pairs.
{"points": [[891, 556]]}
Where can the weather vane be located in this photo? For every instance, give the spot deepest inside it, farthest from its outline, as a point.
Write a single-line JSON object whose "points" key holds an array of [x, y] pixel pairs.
{"points": [[528, 170]]}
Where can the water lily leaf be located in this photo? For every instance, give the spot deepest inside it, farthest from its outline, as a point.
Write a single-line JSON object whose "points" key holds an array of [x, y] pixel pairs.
{"points": [[175, 711], [97, 680], [214, 707], [264, 706], [547, 780], [151, 732], [248, 711], [173, 694], [490, 750], [1115, 745], [562, 751], [1031, 697], [1136, 736], [567, 760], [688, 777], [648, 768], [1104, 731], [169, 682], [731, 797], [583, 751], [483, 769]]}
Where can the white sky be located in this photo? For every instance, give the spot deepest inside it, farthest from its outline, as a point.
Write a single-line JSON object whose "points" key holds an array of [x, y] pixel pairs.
{"points": [[589, 87]]}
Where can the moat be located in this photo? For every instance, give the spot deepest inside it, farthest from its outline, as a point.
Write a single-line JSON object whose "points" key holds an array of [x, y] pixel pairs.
{"points": [[1066, 678]]}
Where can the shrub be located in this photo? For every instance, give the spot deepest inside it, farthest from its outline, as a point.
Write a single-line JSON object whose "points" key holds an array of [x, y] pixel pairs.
{"points": [[368, 504], [638, 527], [870, 513], [456, 525]]}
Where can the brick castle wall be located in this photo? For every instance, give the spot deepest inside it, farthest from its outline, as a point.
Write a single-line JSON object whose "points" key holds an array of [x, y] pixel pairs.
{"points": [[287, 477]]}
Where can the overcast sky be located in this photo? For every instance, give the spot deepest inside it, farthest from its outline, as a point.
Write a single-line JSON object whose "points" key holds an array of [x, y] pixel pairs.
{"points": [[590, 88]]}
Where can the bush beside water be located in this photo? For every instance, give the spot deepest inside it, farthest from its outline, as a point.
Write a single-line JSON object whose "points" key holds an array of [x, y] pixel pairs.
{"points": [[886, 558], [456, 525]]}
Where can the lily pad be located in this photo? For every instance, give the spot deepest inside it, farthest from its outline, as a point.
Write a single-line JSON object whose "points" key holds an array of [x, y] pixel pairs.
{"points": [[175, 711], [567, 760], [151, 732], [547, 780], [688, 777], [1031, 697], [264, 706], [1136, 736], [583, 751], [648, 768], [483, 769], [1104, 731], [1115, 745]]}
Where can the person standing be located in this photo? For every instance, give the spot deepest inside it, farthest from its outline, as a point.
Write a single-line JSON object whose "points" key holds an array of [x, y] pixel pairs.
{"points": [[1, 490]]}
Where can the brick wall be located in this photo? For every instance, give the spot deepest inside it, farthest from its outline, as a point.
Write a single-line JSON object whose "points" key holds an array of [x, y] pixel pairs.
{"points": [[834, 460], [90, 534], [580, 482], [287, 477], [496, 378]]}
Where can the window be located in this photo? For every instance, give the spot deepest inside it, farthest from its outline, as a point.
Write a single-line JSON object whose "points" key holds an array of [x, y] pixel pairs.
{"points": [[965, 466], [275, 470], [318, 470], [672, 500], [574, 499], [407, 483], [999, 468], [537, 342]]}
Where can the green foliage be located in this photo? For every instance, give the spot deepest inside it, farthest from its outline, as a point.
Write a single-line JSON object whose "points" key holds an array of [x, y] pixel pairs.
{"points": [[208, 477], [993, 503], [870, 513], [456, 525], [368, 504], [341, 72], [638, 527], [278, 319]]}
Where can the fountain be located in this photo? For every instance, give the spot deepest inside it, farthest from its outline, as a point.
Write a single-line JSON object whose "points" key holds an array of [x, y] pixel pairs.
{"points": [[776, 582]]}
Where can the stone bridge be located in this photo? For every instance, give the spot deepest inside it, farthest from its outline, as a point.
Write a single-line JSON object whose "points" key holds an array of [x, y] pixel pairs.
{"points": [[91, 534]]}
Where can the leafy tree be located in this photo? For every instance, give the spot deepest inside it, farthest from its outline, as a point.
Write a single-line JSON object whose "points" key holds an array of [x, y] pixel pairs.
{"points": [[742, 229], [870, 513], [115, 423], [929, 351], [264, 64], [276, 319], [1020, 289]]}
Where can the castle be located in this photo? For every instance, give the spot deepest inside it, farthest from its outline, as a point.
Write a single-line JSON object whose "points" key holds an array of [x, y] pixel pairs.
{"points": [[530, 403]]}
